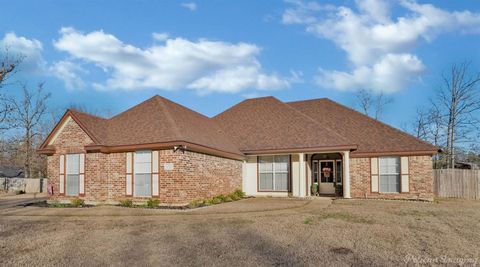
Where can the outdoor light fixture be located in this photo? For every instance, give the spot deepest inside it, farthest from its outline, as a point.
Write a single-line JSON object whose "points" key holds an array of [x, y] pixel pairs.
{"points": [[180, 147]]}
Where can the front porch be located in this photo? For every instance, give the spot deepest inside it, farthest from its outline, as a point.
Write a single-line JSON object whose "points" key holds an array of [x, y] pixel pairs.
{"points": [[298, 174], [323, 173]]}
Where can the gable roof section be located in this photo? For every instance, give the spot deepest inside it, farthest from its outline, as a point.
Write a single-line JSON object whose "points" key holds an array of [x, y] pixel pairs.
{"points": [[155, 123], [371, 136], [263, 125], [81, 119]]}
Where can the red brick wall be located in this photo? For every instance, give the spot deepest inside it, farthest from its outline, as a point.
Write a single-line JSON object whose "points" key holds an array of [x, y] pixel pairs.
{"points": [[194, 175], [420, 179], [71, 140]]}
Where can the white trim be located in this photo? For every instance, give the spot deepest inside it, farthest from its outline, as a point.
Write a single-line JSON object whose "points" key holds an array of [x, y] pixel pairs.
{"points": [[303, 178], [81, 183], [155, 184], [62, 164], [52, 140], [155, 161], [346, 174], [62, 184]]}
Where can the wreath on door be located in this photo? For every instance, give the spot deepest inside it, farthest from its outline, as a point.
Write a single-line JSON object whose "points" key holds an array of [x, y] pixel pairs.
{"points": [[326, 172]]}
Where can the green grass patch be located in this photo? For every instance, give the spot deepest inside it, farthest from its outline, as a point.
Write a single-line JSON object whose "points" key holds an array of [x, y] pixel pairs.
{"points": [[345, 216], [308, 221]]}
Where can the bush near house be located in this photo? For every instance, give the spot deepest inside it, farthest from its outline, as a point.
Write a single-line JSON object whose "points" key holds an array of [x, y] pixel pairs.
{"points": [[77, 202], [236, 195], [153, 203], [126, 203]]}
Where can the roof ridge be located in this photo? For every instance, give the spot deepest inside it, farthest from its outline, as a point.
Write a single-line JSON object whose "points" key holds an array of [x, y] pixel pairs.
{"points": [[316, 123], [308, 100], [86, 113], [380, 122], [168, 116]]}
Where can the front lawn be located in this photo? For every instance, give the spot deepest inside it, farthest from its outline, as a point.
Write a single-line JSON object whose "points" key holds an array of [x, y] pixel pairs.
{"points": [[260, 231]]}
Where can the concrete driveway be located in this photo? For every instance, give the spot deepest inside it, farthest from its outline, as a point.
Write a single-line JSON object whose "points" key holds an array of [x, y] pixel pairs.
{"points": [[8, 201]]}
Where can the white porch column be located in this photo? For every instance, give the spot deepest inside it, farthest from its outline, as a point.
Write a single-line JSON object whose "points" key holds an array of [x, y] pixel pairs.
{"points": [[302, 174], [346, 174]]}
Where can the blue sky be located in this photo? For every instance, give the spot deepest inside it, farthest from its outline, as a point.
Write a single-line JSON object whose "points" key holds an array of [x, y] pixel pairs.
{"points": [[209, 55]]}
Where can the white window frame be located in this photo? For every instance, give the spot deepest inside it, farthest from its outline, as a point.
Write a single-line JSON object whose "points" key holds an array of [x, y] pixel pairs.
{"points": [[273, 172], [69, 172], [135, 172], [381, 173]]}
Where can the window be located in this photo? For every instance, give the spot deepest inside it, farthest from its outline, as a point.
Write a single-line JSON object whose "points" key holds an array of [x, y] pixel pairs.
{"points": [[273, 173], [143, 174], [389, 175], [73, 174], [315, 171], [339, 172]]}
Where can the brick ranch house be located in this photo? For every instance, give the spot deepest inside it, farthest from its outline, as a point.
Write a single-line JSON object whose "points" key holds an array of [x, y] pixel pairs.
{"points": [[160, 149]]}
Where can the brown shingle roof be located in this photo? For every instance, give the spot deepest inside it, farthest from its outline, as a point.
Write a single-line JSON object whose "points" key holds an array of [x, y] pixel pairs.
{"points": [[157, 120], [259, 125], [267, 124], [370, 135]]}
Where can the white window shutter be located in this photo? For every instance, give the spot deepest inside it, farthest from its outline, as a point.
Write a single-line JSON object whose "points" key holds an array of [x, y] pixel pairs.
{"points": [[405, 183], [154, 173], [81, 177], [62, 174], [374, 174], [129, 174]]}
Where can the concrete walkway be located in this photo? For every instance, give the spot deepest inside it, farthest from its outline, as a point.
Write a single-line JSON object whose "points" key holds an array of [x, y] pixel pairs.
{"points": [[9, 201], [250, 205]]}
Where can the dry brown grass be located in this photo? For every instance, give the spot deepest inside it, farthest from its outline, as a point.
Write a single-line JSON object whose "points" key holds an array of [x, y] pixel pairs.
{"points": [[265, 232]]}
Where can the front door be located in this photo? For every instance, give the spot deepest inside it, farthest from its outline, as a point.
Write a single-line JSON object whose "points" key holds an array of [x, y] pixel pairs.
{"points": [[327, 176]]}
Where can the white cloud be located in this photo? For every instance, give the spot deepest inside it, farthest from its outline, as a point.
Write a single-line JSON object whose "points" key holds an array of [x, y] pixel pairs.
{"points": [[30, 50], [190, 5], [389, 74], [160, 36], [68, 72], [203, 65], [373, 39]]}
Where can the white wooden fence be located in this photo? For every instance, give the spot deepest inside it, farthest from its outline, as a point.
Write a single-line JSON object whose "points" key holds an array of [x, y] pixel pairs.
{"points": [[457, 183]]}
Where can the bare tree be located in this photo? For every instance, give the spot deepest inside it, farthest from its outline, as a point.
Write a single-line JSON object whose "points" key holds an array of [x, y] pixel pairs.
{"points": [[372, 104], [28, 113], [364, 99], [428, 125], [421, 125], [458, 99], [8, 66]]}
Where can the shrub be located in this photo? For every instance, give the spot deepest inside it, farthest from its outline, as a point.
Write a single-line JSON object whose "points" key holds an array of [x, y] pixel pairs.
{"points": [[239, 193], [216, 200], [126, 203], [57, 204], [153, 203], [228, 199], [234, 197], [196, 203], [221, 198], [19, 192], [76, 202]]}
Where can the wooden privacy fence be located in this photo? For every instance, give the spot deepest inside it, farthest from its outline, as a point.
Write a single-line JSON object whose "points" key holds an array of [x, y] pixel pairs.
{"points": [[457, 183]]}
